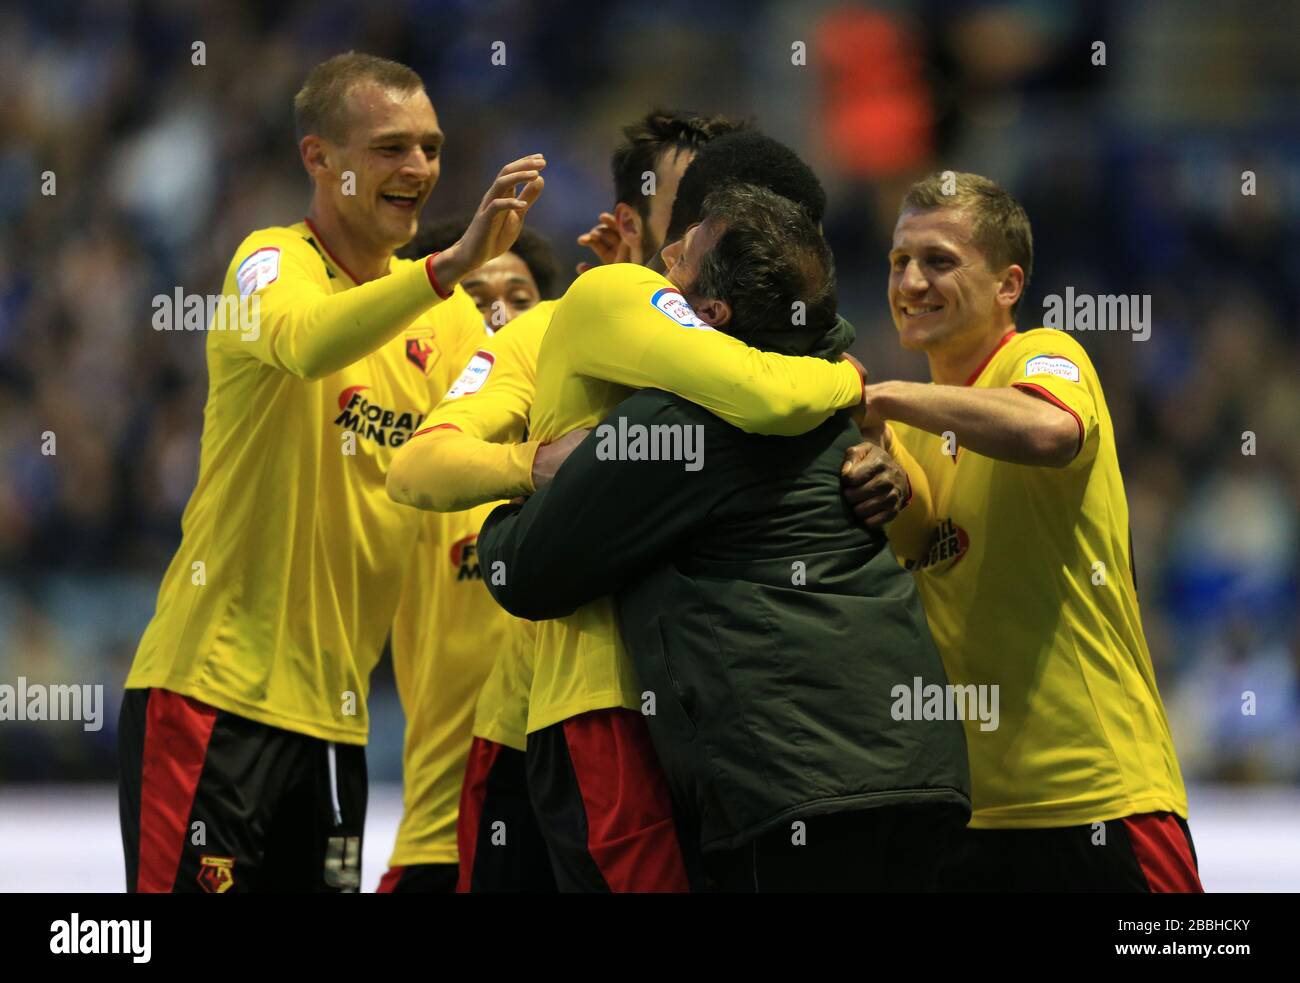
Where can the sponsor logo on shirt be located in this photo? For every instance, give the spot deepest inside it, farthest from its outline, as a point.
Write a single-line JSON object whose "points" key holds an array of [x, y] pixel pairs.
{"points": [[259, 270], [464, 557], [672, 303], [948, 547], [371, 421], [1057, 365], [473, 376]]}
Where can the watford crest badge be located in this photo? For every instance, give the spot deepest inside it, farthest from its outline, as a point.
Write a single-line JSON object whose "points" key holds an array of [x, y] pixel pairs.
{"points": [[216, 874], [418, 351]]}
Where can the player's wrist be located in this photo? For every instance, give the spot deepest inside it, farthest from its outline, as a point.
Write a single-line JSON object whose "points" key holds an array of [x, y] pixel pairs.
{"points": [[445, 269], [529, 449], [858, 376], [881, 399]]}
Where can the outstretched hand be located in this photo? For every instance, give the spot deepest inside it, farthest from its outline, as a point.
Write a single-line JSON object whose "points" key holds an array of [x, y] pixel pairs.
{"points": [[497, 222], [605, 242]]}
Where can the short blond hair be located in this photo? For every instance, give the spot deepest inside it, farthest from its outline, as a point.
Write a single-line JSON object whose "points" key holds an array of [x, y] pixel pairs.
{"points": [[321, 106], [1001, 227]]}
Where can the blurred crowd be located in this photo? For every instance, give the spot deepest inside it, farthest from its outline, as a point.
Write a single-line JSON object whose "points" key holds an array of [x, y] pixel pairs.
{"points": [[139, 142]]}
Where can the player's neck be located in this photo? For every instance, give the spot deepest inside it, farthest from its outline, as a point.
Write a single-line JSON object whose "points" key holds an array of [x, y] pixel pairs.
{"points": [[956, 363], [360, 261]]}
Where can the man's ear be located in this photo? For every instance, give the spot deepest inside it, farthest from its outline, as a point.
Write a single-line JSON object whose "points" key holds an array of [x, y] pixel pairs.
{"points": [[315, 154], [629, 225], [714, 313], [1011, 286]]}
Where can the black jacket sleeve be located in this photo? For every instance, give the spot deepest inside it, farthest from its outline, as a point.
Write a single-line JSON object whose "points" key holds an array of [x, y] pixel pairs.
{"points": [[602, 520]]}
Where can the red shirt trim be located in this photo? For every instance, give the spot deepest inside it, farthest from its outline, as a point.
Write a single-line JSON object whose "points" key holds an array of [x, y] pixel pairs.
{"points": [[329, 252], [440, 426], [1040, 391], [433, 280], [989, 357]]}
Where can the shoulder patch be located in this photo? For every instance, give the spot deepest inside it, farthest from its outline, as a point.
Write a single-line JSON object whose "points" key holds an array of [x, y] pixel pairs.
{"points": [[260, 269], [671, 302], [1057, 365], [473, 376]]}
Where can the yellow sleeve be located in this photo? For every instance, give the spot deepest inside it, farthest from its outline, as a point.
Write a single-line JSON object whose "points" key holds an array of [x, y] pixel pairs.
{"points": [[492, 396], [469, 450], [1053, 366], [299, 325], [913, 528], [444, 470], [629, 326]]}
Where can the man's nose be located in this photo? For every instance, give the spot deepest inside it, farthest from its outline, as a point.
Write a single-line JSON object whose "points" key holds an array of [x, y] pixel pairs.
{"points": [[913, 280], [417, 164]]}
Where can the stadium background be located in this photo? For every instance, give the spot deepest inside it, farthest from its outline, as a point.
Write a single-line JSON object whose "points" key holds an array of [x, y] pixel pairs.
{"points": [[1131, 173]]}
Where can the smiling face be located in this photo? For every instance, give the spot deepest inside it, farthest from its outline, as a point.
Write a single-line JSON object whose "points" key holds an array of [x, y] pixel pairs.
{"points": [[942, 293], [392, 149]]}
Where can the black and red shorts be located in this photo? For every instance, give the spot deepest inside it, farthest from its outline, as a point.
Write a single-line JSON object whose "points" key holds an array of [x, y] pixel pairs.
{"points": [[1148, 853], [214, 802], [603, 805], [500, 846], [419, 879]]}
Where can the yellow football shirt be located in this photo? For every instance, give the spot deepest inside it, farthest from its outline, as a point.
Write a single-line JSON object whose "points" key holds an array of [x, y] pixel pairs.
{"points": [[447, 634], [621, 326], [1028, 586], [470, 449], [463, 665], [279, 598], [628, 325], [488, 405]]}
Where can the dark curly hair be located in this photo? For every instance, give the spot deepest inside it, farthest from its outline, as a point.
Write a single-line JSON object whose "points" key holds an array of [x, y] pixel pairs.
{"points": [[768, 260], [745, 157], [646, 141]]}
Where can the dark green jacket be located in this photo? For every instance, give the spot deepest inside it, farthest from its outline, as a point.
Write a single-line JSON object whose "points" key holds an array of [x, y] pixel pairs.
{"points": [[770, 626]]}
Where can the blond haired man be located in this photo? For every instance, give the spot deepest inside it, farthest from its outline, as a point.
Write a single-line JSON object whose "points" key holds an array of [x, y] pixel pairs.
{"points": [[243, 727], [1028, 583]]}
